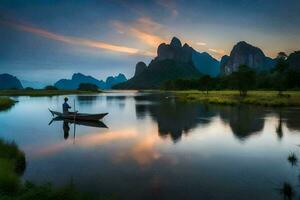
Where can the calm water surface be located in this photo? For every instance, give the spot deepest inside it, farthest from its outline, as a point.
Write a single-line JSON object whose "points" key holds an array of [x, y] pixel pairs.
{"points": [[157, 148]]}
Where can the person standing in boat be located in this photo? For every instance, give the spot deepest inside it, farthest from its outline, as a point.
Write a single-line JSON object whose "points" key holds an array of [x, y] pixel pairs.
{"points": [[66, 106]]}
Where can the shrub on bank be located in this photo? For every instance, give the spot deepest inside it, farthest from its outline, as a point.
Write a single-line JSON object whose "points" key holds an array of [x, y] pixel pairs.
{"points": [[88, 87], [6, 103], [50, 87]]}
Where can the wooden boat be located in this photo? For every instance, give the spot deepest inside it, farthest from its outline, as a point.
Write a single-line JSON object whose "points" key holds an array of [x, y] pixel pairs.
{"points": [[79, 116], [96, 124]]}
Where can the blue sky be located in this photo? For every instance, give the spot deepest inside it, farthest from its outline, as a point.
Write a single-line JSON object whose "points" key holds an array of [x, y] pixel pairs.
{"points": [[50, 39]]}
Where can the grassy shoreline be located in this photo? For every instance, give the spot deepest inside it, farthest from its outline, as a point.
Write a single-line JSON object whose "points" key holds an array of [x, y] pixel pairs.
{"points": [[230, 97], [6, 103], [37, 93], [12, 167]]}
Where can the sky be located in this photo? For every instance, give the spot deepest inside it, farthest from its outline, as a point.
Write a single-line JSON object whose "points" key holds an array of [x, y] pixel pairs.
{"points": [[46, 40]]}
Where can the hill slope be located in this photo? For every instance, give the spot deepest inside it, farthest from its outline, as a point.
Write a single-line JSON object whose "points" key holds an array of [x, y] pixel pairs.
{"points": [[8, 81]]}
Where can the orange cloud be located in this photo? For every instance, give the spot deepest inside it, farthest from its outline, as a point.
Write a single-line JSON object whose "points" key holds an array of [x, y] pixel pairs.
{"points": [[143, 29], [217, 51], [201, 43], [77, 41], [150, 39]]}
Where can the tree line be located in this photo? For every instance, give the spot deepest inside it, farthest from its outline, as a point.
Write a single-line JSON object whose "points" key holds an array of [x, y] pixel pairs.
{"points": [[280, 78]]}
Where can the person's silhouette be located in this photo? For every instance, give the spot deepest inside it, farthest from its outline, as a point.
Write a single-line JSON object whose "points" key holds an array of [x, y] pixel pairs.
{"points": [[66, 106]]}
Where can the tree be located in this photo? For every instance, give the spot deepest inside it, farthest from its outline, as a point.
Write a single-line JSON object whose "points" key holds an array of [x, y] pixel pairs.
{"points": [[205, 82], [243, 79], [280, 73]]}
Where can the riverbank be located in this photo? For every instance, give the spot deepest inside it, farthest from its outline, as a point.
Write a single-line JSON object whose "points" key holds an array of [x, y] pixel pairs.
{"points": [[43, 92], [13, 165], [6, 103], [262, 98]]}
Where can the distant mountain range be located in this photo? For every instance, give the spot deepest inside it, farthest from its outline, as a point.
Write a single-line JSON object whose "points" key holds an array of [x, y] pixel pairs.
{"points": [[33, 84], [8, 81], [78, 78], [175, 61]]}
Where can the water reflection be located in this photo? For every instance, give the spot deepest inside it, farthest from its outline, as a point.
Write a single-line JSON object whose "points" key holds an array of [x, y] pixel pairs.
{"points": [[243, 120], [66, 125], [163, 148], [66, 129], [87, 100], [279, 130], [292, 119], [175, 119], [287, 191]]}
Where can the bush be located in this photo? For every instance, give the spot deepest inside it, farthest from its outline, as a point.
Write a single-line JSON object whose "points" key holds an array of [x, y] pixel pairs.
{"points": [[6, 103], [29, 88], [12, 164], [88, 87], [50, 87]]}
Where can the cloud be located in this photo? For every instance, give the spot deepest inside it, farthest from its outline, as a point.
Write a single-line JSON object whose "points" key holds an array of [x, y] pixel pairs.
{"points": [[169, 5], [75, 40], [150, 39], [217, 51], [201, 43], [144, 30]]}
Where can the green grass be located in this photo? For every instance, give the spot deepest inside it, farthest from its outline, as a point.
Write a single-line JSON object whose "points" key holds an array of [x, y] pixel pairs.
{"points": [[9, 180], [12, 164], [6, 103], [230, 97]]}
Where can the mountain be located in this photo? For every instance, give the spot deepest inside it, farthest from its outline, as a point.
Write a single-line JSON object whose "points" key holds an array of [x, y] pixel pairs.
{"points": [[173, 61], [8, 81], [113, 80], [78, 78], [33, 84], [244, 53], [139, 68], [205, 63], [223, 62]]}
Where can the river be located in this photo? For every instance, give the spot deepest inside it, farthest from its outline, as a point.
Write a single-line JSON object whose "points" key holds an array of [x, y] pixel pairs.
{"points": [[152, 147]]}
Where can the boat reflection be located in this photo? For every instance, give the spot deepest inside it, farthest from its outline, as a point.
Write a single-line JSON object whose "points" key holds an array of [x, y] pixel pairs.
{"points": [[67, 122]]}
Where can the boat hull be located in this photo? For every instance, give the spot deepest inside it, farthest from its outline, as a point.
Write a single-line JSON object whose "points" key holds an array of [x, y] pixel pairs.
{"points": [[96, 124], [79, 116]]}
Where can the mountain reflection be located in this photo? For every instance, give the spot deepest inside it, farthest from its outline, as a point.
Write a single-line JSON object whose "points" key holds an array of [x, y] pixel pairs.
{"points": [[88, 100], [243, 120], [291, 118], [177, 118], [118, 100]]}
